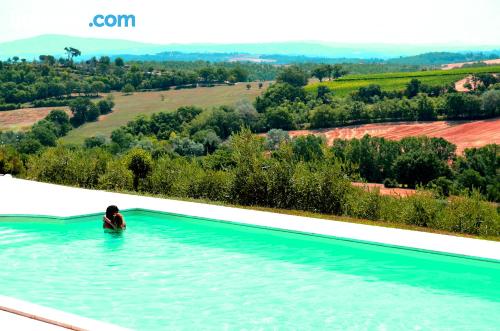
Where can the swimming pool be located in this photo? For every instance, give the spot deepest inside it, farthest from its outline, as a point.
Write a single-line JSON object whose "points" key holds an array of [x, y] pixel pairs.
{"points": [[182, 273]]}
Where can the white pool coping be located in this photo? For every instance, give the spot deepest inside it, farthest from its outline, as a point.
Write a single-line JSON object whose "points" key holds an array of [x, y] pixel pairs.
{"points": [[20, 315]]}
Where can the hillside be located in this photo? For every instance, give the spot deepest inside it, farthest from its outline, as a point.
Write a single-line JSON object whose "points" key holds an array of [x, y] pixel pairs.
{"points": [[145, 103], [438, 58]]}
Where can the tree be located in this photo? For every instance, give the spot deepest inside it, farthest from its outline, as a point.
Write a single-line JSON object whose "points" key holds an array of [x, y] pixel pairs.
{"points": [[119, 62], [338, 71], [122, 139], [308, 148], [276, 137], [280, 118], [239, 74], [320, 72], [490, 103], [29, 145], [209, 139], [413, 88], [140, 163], [61, 120], [79, 108], [323, 116], [418, 168], [368, 93], [425, 108], [105, 106], [461, 105], [293, 75], [92, 113], [45, 133], [187, 147], [323, 93], [277, 94], [95, 141], [128, 89], [72, 52], [96, 87]]}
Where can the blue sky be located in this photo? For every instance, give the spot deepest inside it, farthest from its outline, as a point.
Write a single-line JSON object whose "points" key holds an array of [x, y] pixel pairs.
{"points": [[229, 21]]}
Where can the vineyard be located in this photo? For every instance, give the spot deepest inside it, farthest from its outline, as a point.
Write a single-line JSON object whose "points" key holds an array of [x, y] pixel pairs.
{"points": [[398, 80]]}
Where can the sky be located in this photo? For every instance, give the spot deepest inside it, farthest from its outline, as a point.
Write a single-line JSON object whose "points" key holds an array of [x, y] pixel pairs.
{"points": [[237, 21]]}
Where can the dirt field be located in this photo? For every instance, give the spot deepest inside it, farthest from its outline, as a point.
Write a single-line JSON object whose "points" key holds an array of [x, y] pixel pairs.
{"points": [[401, 192], [22, 119], [464, 134], [460, 64]]}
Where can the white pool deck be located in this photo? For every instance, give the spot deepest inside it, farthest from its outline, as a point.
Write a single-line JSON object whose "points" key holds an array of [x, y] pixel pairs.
{"points": [[28, 197]]}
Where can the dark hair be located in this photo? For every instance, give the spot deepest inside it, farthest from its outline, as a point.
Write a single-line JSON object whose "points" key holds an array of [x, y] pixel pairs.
{"points": [[110, 211]]}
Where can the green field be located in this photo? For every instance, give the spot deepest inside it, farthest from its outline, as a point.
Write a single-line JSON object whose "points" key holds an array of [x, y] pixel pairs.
{"points": [[398, 80], [145, 103]]}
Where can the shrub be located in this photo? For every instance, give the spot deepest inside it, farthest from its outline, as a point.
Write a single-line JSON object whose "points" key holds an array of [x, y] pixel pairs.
{"points": [[250, 186], [95, 141], [390, 183], [117, 177], [10, 161], [321, 188], [140, 163], [392, 209], [279, 178], [422, 209], [362, 204], [62, 165], [9, 106], [213, 185], [470, 215], [174, 177], [92, 113], [105, 106], [128, 89]]}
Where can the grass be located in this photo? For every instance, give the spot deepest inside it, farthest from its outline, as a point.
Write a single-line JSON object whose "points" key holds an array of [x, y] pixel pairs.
{"points": [[398, 80], [129, 107]]}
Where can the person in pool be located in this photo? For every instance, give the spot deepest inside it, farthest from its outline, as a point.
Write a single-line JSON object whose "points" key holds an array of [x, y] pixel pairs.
{"points": [[113, 220]]}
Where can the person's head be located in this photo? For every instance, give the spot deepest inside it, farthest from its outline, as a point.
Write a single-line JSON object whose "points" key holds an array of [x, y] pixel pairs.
{"points": [[111, 211]]}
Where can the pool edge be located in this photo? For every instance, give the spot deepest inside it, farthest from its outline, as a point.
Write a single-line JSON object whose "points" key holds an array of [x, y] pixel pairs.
{"points": [[67, 219], [57, 318]]}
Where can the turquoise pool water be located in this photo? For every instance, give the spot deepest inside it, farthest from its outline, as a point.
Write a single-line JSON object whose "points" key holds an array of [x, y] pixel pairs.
{"points": [[179, 273]]}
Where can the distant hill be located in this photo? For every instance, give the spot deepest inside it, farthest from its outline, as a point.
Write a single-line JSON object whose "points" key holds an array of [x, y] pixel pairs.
{"points": [[54, 44], [241, 57], [438, 58]]}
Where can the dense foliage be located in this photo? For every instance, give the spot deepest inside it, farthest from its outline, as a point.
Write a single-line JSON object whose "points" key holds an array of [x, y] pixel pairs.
{"points": [[295, 175]]}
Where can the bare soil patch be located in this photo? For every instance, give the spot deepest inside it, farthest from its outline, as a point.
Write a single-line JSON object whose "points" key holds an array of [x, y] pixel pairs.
{"points": [[23, 119], [464, 134], [460, 64], [399, 192]]}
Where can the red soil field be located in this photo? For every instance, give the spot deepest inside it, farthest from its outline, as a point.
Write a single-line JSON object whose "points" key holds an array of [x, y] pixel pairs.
{"points": [[464, 134], [401, 192]]}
